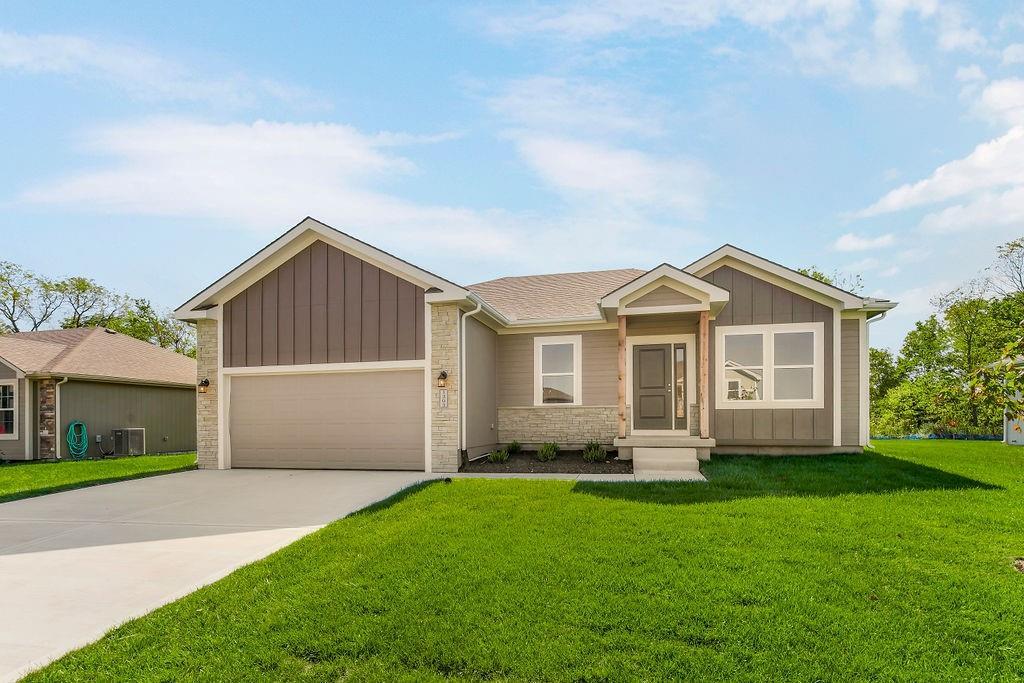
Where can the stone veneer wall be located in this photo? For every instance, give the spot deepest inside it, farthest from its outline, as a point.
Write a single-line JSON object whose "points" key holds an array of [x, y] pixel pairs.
{"points": [[47, 418], [565, 425], [206, 404], [444, 355]]}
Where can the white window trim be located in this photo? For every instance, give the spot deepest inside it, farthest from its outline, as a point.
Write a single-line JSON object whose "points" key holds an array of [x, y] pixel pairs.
{"points": [[767, 333], [13, 436], [577, 366]]}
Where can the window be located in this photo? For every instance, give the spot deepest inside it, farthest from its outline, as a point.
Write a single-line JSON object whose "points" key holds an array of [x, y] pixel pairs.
{"points": [[557, 364], [8, 410], [770, 366]]}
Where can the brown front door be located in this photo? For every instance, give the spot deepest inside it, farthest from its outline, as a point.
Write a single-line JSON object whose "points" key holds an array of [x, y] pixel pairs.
{"points": [[652, 386]]}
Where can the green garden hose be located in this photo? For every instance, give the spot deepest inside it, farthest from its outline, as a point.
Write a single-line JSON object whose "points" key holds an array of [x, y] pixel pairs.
{"points": [[78, 440]]}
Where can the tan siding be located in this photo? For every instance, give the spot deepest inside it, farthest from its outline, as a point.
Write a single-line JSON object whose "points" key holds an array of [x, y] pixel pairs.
{"points": [[752, 302], [20, 448], [600, 373], [850, 375], [662, 296], [324, 306], [481, 387], [660, 324]]}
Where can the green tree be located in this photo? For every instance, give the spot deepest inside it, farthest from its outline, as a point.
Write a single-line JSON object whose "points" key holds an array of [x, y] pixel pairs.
{"points": [[84, 299], [851, 282], [138, 318], [27, 300], [884, 373]]}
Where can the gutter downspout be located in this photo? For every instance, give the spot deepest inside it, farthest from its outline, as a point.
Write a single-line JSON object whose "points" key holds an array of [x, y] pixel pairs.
{"points": [[56, 416], [462, 377]]}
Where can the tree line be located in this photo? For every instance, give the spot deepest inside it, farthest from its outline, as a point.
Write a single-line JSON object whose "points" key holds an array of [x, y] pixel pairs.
{"points": [[31, 302]]}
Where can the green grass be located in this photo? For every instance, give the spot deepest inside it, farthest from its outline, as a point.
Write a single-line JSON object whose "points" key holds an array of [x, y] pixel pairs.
{"points": [[23, 480], [895, 565]]}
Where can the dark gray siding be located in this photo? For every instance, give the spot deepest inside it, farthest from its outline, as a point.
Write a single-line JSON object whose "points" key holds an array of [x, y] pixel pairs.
{"points": [[167, 413], [324, 306], [849, 372], [753, 301]]}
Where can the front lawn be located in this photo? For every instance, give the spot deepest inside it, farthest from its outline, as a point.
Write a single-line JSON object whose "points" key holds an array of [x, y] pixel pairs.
{"points": [[893, 565], [23, 480]]}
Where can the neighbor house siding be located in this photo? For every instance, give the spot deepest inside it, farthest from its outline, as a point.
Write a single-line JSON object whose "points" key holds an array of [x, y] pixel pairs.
{"points": [[753, 301], [324, 306], [850, 378], [481, 388], [168, 414]]}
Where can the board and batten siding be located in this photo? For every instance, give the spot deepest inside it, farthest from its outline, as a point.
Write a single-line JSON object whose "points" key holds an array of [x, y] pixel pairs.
{"points": [[849, 374], [324, 306], [753, 301], [600, 368], [168, 414]]}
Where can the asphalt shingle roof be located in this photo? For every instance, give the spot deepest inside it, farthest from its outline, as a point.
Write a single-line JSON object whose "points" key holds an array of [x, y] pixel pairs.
{"points": [[559, 295]]}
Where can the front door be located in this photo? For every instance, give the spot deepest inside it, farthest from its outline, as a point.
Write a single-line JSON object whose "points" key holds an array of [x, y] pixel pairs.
{"points": [[652, 386]]}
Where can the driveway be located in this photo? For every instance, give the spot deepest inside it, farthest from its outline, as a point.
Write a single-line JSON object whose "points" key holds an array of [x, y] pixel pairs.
{"points": [[74, 565]]}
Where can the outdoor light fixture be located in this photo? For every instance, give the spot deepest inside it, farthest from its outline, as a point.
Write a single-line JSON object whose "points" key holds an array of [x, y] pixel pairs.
{"points": [[442, 379], [204, 385]]}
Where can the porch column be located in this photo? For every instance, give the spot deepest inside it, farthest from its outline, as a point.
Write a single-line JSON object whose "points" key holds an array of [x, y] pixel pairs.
{"points": [[702, 376], [622, 376]]}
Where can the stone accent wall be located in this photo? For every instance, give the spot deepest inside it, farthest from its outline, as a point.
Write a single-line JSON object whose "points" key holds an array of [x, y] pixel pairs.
{"points": [[206, 404], [567, 426], [444, 355], [47, 418]]}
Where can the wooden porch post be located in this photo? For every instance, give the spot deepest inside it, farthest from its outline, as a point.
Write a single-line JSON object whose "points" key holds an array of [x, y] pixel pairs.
{"points": [[702, 376], [622, 376]]}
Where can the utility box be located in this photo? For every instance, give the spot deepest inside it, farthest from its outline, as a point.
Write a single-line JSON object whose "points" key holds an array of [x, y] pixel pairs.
{"points": [[129, 440]]}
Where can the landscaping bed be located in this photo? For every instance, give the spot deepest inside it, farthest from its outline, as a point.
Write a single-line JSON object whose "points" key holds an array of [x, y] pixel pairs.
{"points": [[567, 462]]}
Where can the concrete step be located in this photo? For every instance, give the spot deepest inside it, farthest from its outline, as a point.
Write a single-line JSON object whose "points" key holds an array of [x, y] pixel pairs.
{"points": [[665, 459], [650, 475]]}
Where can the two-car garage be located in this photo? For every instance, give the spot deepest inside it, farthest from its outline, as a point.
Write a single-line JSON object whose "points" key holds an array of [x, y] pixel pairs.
{"points": [[343, 420]]}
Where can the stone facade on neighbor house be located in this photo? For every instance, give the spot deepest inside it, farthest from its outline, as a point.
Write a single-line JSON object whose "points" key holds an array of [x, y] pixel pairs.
{"points": [[444, 356], [48, 418], [206, 404], [568, 426]]}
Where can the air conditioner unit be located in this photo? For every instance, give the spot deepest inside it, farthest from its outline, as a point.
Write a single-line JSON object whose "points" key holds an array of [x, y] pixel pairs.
{"points": [[129, 440]]}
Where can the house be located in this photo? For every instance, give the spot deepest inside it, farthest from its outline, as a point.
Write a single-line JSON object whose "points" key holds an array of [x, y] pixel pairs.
{"points": [[106, 380], [322, 351]]}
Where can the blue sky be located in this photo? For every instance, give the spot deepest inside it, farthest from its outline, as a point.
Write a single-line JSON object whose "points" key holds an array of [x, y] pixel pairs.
{"points": [[884, 138]]}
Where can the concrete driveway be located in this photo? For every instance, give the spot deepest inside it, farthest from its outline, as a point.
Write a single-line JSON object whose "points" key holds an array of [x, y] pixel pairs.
{"points": [[74, 565]]}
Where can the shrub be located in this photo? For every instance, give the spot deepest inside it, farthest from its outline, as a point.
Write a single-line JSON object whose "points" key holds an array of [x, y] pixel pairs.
{"points": [[593, 452], [514, 447], [548, 452], [500, 455]]}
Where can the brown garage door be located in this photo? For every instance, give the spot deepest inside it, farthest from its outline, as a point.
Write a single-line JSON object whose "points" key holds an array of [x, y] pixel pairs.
{"points": [[359, 420]]}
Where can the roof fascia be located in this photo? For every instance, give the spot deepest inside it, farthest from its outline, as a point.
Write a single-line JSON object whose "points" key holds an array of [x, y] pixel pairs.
{"points": [[714, 293]]}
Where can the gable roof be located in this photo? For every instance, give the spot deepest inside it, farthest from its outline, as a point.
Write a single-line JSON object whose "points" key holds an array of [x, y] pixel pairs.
{"points": [[714, 293], [96, 353], [552, 296], [305, 232]]}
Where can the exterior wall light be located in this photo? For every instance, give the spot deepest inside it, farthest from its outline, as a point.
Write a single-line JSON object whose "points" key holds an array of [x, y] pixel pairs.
{"points": [[442, 379], [204, 386]]}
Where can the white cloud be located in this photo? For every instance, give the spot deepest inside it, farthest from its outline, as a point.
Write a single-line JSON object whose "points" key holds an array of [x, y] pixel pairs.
{"points": [[990, 210], [558, 104], [970, 74], [853, 242], [1003, 100], [997, 163], [1013, 54], [139, 72], [623, 177]]}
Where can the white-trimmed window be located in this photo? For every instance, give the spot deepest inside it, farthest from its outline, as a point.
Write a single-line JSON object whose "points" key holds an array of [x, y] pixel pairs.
{"points": [[557, 370], [770, 366], [8, 410]]}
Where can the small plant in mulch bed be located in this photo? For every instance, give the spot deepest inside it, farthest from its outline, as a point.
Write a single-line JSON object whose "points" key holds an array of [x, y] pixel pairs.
{"points": [[514, 447], [548, 452], [498, 455], [594, 452]]}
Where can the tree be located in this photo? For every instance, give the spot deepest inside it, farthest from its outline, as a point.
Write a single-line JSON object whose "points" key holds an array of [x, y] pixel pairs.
{"points": [[25, 295], [138, 318], [924, 348], [851, 282], [884, 373], [1006, 274], [83, 299]]}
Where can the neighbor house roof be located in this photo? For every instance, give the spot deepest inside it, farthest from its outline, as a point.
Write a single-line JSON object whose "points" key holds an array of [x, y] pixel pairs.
{"points": [[558, 295], [96, 353]]}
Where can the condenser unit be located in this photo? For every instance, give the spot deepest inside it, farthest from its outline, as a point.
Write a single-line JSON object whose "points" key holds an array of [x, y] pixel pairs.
{"points": [[129, 440]]}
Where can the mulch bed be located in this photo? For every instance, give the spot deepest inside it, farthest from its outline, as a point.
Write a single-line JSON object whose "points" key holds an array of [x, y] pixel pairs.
{"points": [[567, 462]]}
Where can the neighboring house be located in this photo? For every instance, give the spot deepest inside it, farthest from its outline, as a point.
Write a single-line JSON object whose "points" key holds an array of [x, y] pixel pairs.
{"points": [[324, 351], [106, 380]]}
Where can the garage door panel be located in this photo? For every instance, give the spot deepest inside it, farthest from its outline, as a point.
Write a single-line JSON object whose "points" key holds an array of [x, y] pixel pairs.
{"points": [[371, 420]]}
